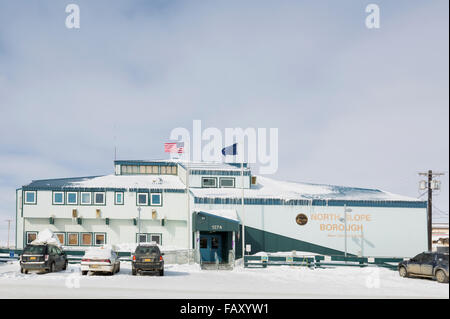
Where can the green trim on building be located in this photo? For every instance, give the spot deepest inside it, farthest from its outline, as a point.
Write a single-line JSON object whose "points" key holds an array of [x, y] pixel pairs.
{"points": [[202, 221]]}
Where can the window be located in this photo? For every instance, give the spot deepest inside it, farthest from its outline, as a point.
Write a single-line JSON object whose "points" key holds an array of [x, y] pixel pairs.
{"points": [[30, 197], [86, 198], [73, 239], [58, 198], [163, 170], [227, 182], [72, 198], [147, 238], [99, 198], [209, 182], [100, 238], [142, 199], [155, 169], [119, 198], [203, 243], [61, 238], [156, 199], [31, 235], [86, 239], [214, 243]]}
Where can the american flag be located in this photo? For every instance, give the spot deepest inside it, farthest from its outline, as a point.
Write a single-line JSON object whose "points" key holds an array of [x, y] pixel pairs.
{"points": [[174, 147]]}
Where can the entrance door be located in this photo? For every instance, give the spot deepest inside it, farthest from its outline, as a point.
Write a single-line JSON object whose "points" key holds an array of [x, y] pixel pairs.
{"points": [[211, 248]]}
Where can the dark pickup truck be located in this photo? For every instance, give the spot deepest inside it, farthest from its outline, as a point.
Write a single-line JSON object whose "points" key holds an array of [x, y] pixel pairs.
{"points": [[147, 258], [427, 264]]}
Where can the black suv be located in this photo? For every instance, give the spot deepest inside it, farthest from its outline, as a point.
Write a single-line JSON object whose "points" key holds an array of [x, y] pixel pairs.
{"points": [[147, 258], [427, 264], [42, 257]]}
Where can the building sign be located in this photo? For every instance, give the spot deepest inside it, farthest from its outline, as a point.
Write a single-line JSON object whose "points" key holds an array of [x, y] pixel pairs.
{"points": [[334, 224], [301, 219]]}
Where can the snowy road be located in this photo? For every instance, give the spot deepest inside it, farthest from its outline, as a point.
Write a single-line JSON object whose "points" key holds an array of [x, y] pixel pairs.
{"points": [[188, 281]]}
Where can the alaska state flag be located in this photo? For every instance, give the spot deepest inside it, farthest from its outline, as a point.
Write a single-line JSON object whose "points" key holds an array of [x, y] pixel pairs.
{"points": [[230, 150]]}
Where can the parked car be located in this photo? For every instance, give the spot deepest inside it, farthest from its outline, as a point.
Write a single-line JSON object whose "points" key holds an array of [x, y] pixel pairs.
{"points": [[43, 257], [147, 258], [427, 264], [100, 259]]}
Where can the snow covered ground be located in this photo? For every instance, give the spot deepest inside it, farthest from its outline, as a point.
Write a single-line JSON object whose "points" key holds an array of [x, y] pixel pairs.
{"points": [[189, 281]]}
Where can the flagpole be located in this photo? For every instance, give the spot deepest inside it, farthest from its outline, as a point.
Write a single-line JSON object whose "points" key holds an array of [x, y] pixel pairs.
{"points": [[243, 211]]}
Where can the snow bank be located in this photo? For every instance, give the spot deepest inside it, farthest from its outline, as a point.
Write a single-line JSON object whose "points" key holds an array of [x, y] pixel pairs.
{"points": [[46, 236]]}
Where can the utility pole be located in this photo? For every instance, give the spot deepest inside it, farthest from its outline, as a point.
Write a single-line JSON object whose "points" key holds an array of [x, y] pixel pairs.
{"points": [[9, 227], [430, 184]]}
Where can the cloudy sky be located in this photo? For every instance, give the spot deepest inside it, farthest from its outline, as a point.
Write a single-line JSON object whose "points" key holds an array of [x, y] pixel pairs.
{"points": [[354, 106]]}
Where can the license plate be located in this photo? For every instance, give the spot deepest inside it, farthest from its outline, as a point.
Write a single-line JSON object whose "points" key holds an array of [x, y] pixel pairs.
{"points": [[93, 266], [32, 258], [147, 260]]}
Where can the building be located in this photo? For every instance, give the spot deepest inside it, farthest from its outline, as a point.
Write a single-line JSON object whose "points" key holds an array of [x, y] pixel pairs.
{"points": [[439, 235], [198, 205]]}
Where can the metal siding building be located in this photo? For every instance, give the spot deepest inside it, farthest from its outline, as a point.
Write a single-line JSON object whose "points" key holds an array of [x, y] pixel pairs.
{"points": [[198, 205]]}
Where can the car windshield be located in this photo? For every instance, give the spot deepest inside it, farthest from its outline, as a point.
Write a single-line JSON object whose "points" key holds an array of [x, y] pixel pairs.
{"points": [[34, 250], [145, 250]]}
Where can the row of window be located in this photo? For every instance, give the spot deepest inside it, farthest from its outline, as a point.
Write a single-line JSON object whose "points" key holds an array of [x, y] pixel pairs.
{"points": [[149, 169], [92, 239], [73, 238], [94, 198], [211, 182]]}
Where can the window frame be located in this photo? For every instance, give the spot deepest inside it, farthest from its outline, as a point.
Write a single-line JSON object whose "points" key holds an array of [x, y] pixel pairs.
{"points": [[63, 197], [86, 233], [81, 198], [160, 199], [95, 199], [229, 179], [25, 197], [26, 236], [115, 198], [68, 238], [213, 178], [149, 235], [67, 198], [64, 236], [95, 238], [137, 199]]}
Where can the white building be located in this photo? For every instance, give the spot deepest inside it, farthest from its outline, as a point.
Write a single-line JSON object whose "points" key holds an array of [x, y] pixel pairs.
{"points": [[198, 205]]}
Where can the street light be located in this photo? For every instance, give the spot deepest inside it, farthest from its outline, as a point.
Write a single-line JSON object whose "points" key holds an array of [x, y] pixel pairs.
{"points": [[139, 225], [344, 220]]}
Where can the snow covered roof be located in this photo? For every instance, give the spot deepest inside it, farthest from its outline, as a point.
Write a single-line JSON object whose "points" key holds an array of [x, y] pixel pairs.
{"points": [[113, 182], [270, 188], [225, 213]]}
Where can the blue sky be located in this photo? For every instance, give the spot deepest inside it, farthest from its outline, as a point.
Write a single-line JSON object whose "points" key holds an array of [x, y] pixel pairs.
{"points": [[353, 106]]}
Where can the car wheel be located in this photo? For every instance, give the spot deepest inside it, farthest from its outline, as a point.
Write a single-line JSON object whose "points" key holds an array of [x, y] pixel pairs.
{"points": [[402, 272], [161, 272], [52, 267], [441, 277], [84, 273], [65, 265], [21, 270], [118, 268], [133, 272]]}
